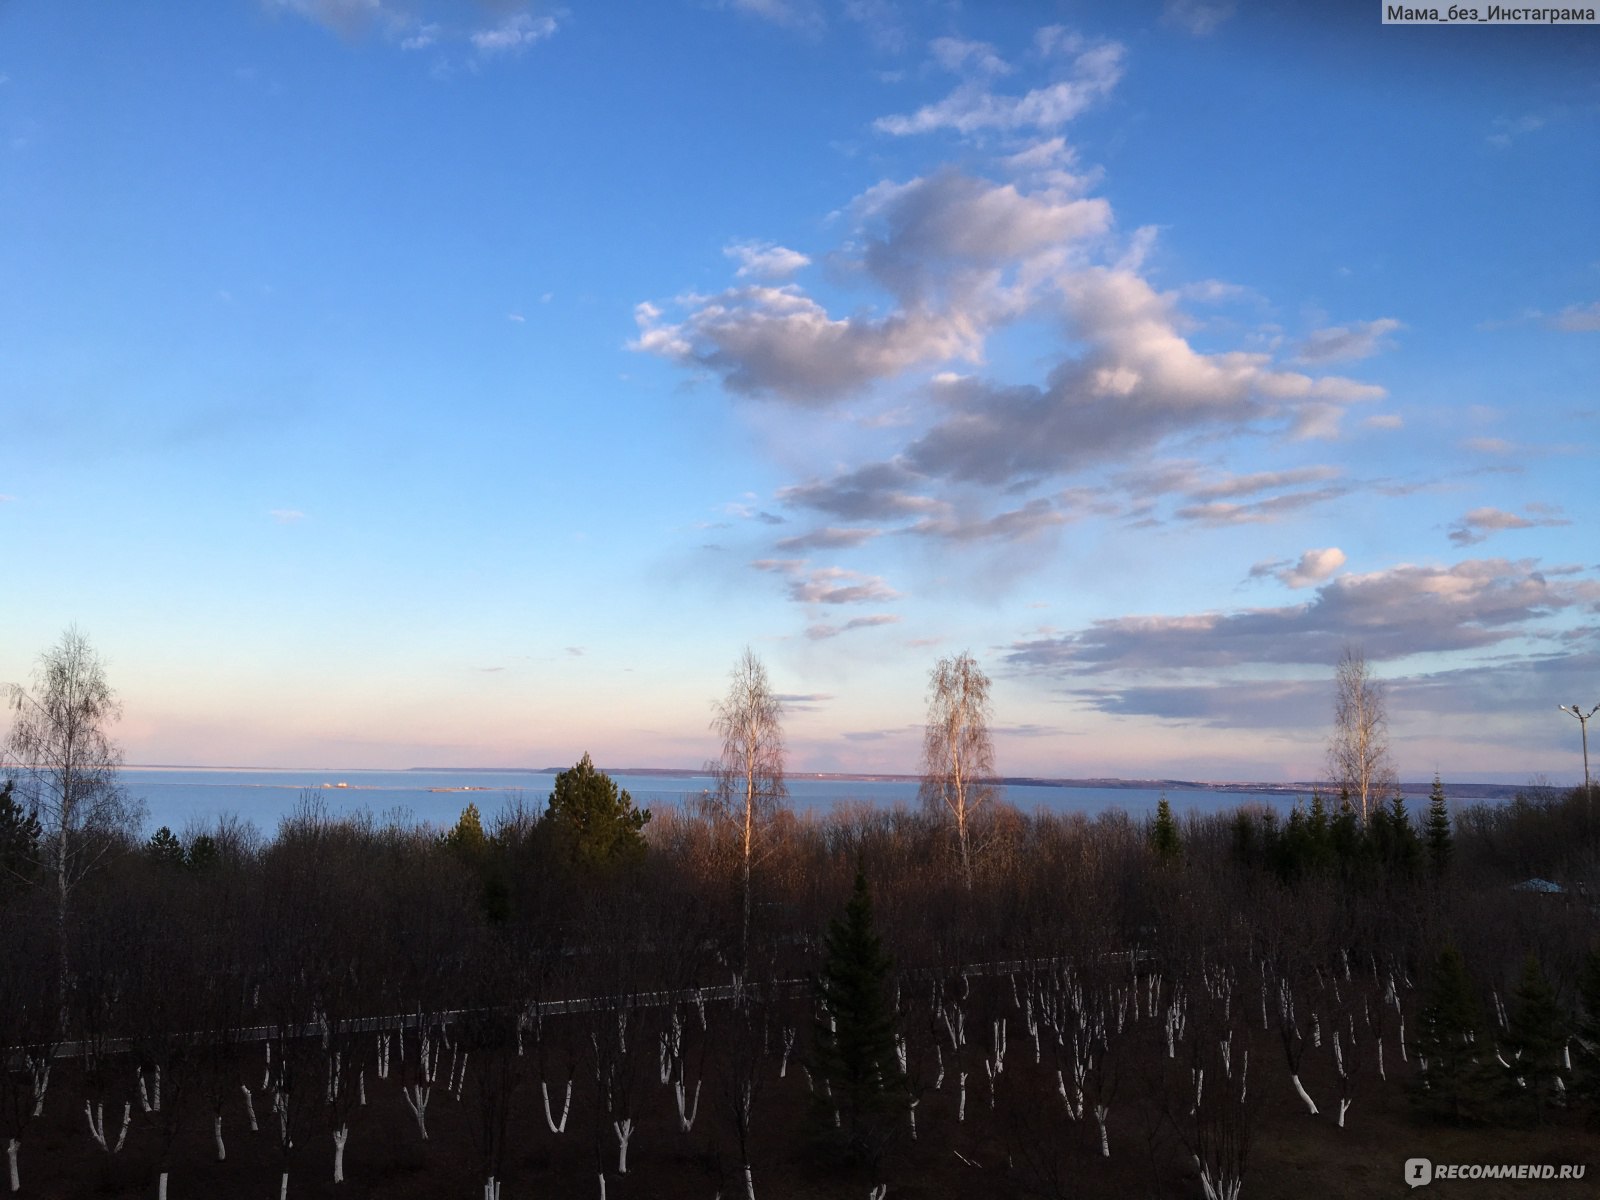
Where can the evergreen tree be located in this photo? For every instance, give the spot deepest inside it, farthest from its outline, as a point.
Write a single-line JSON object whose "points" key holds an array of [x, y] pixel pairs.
{"points": [[1319, 836], [1292, 847], [1404, 856], [164, 848], [19, 841], [1441, 845], [1164, 838], [1246, 845], [598, 818], [1345, 839], [1534, 1043], [202, 854], [1586, 1048], [467, 838], [854, 1040], [1453, 1082]]}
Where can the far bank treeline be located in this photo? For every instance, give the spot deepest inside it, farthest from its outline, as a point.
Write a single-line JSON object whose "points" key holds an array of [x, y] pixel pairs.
{"points": [[732, 990]]}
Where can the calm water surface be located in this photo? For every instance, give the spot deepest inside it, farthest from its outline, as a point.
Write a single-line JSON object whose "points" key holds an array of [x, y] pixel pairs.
{"points": [[177, 797]]}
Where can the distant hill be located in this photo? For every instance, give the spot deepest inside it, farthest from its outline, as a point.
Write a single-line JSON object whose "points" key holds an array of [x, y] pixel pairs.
{"points": [[1457, 791]]}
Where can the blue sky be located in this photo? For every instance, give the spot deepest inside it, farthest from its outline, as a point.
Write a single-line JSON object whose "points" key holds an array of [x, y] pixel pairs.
{"points": [[402, 382]]}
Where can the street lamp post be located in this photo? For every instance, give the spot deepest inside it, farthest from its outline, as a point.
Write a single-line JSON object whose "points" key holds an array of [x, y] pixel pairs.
{"points": [[1583, 724]]}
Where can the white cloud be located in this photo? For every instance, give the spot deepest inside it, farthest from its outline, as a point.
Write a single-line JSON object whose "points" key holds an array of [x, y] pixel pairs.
{"points": [[819, 631], [1478, 524], [1578, 318], [835, 585], [1385, 421], [777, 340], [765, 260], [831, 537], [1489, 445], [425, 36], [286, 516], [960, 255], [1197, 17], [956, 55], [972, 108], [1391, 614], [802, 15], [411, 25], [1314, 567], [1507, 129], [1347, 343], [516, 33]]}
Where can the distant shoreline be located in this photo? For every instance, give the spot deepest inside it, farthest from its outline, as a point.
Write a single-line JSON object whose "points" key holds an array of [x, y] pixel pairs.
{"points": [[1480, 791]]}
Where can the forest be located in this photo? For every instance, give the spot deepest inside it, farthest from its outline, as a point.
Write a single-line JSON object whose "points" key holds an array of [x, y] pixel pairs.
{"points": [[573, 996]]}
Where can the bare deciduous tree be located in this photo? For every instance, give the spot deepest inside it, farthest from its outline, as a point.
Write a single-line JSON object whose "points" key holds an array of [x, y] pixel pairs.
{"points": [[958, 753], [750, 773], [1358, 753], [65, 765]]}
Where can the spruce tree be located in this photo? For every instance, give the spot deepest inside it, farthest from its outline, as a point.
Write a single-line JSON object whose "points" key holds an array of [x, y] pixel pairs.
{"points": [[1441, 845], [854, 1039], [1319, 836], [1164, 833], [1453, 1081], [164, 848], [1405, 848], [1534, 1043], [1344, 836]]}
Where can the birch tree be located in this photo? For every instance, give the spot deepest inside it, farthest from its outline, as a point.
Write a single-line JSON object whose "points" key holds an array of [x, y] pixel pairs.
{"points": [[958, 752], [750, 772], [1358, 753], [64, 763]]}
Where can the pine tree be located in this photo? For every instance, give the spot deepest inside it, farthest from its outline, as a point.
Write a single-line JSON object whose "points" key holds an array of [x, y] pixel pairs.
{"points": [[596, 815], [1535, 1042], [1441, 845], [467, 838], [854, 1040], [1453, 1082], [1164, 838]]}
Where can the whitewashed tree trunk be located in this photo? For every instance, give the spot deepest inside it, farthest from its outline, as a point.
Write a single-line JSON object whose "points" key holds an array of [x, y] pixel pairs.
{"points": [[602, 1185], [283, 1187], [749, 1183], [566, 1107], [12, 1147], [416, 1098], [41, 1083], [216, 1132], [250, 1108], [1100, 1114], [686, 1115], [340, 1137], [624, 1130]]}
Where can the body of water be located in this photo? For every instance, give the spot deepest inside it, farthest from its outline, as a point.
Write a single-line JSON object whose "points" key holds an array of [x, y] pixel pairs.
{"points": [[180, 796]]}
